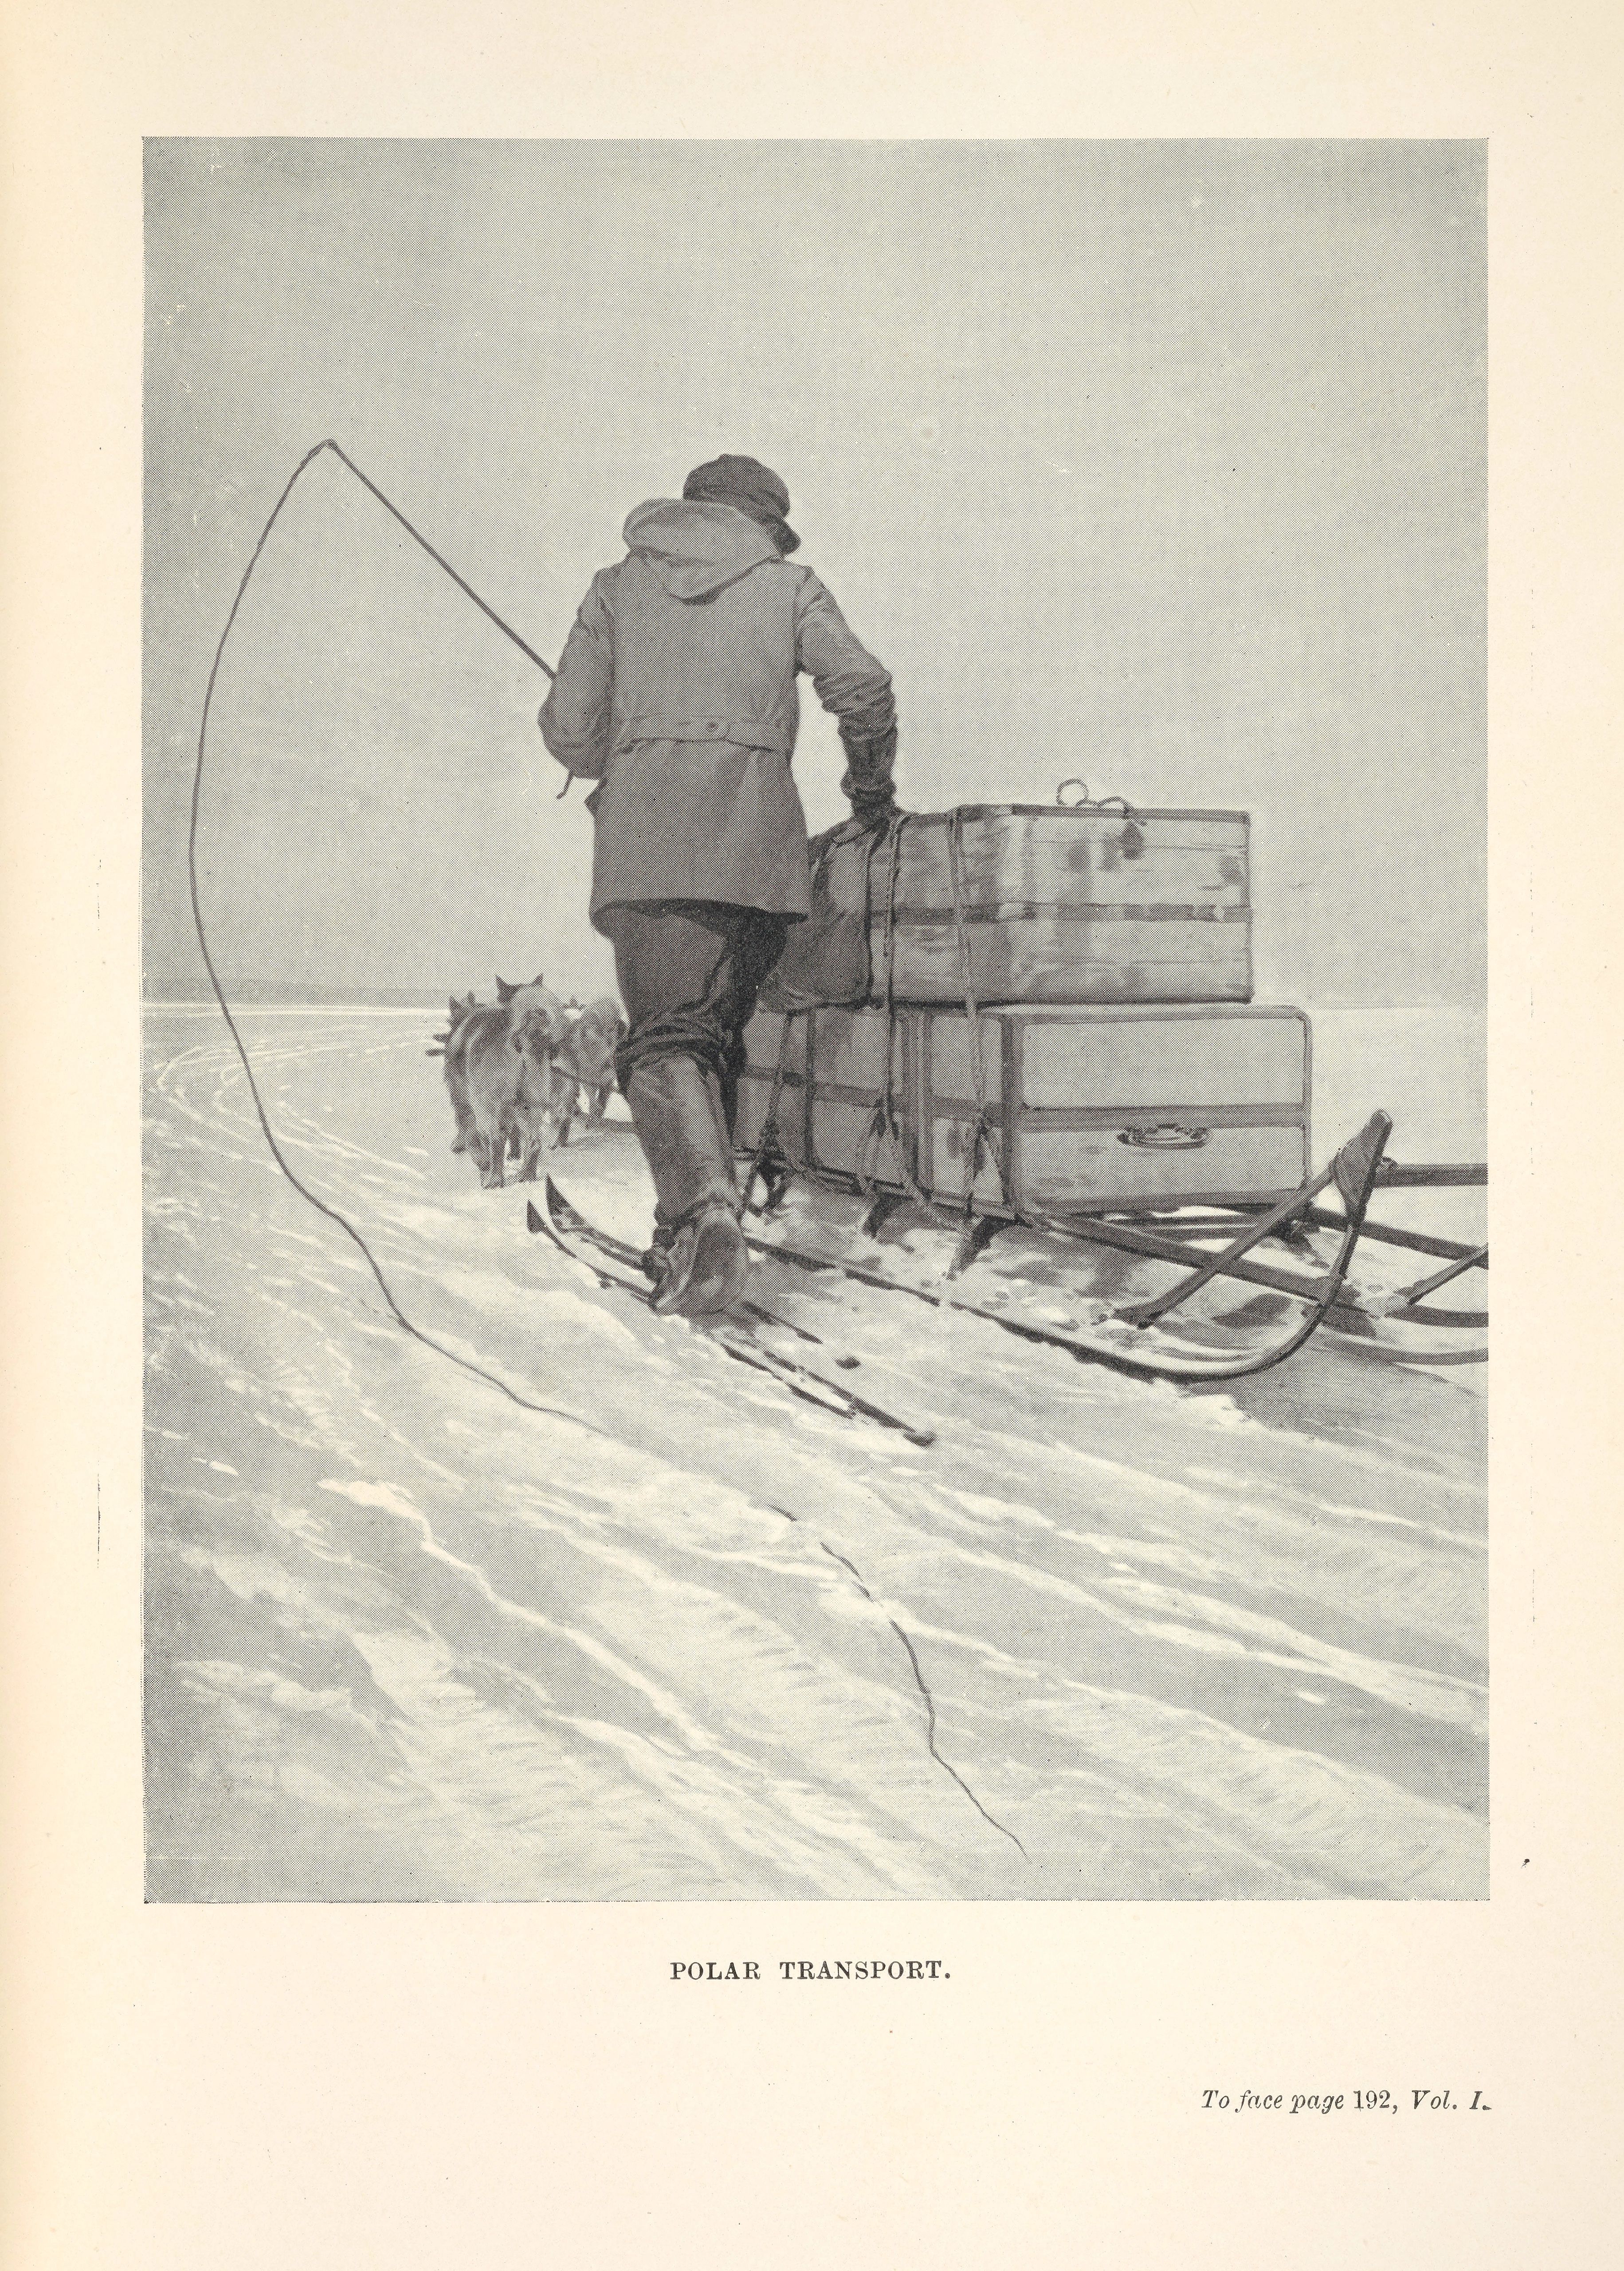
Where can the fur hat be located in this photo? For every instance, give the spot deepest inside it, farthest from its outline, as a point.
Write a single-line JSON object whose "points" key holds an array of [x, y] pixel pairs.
{"points": [[749, 487]]}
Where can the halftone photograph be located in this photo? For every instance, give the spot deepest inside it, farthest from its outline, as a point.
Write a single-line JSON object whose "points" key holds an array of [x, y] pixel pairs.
{"points": [[814, 944]]}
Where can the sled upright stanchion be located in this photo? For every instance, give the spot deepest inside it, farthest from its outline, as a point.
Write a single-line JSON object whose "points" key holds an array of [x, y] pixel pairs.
{"points": [[1144, 1312], [1353, 1170], [881, 1209], [977, 1235]]}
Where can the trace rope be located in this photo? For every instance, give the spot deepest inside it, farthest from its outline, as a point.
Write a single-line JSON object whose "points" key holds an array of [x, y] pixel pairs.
{"points": [[549, 1410]]}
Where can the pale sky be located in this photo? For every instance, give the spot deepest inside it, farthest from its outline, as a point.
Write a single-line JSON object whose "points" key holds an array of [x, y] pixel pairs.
{"points": [[1159, 463]]}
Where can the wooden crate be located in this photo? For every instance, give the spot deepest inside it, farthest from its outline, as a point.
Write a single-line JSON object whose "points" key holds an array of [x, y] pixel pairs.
{"points": [[1115, 1107], [1119, 1107], [1069, 905], [834, 1072]]}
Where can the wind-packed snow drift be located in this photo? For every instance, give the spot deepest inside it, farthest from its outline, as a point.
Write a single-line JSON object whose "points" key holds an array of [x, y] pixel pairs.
{"points": [[698, 1640]]}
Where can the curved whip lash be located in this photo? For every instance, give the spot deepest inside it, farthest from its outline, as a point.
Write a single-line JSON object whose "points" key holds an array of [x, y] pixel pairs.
{"points": [[333, 1213], [548, 1411]]}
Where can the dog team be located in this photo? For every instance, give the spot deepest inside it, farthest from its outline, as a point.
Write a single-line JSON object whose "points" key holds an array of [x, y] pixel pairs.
{"points": [[522, 1064]]}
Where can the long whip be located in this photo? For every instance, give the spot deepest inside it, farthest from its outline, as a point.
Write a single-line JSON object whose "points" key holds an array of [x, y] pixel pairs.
{"points": [[528, 1403], [321, 1205]]}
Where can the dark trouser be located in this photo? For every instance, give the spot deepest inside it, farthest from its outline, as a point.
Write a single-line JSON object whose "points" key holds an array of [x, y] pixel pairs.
{"points": [[689, 971]]}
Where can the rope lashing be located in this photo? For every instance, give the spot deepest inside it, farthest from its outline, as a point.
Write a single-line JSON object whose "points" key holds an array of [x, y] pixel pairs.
{"points": [[982, 1145], [768, 1164], [883, 1123]]}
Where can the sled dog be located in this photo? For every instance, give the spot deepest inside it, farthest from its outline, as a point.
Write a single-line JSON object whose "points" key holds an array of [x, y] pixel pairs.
{"points": [[501, 1078], [586, 1056]]}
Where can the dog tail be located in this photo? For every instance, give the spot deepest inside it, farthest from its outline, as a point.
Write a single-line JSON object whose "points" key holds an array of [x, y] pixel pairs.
{"points": [[457, 1041]]}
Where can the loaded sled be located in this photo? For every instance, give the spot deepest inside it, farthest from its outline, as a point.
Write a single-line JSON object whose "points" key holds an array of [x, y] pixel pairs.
{"points": [[1132, 1100]]}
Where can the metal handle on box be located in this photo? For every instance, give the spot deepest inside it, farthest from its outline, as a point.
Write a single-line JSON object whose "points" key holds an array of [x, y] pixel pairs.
{"points": [[1169, 1136], [1087, 804]]}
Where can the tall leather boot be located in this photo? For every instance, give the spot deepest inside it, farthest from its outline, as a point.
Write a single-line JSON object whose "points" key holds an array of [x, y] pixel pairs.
{"points": [[699, 1248]]}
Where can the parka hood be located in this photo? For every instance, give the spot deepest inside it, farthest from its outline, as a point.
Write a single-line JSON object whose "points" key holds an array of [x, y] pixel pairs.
{"points": [[697, 549]]}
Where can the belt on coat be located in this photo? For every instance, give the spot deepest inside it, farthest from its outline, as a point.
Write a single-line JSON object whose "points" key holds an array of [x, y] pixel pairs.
{"points": [[749, 734]]}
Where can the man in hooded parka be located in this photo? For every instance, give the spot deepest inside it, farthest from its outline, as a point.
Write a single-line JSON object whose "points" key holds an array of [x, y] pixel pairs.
{"points": [[677, 693]]}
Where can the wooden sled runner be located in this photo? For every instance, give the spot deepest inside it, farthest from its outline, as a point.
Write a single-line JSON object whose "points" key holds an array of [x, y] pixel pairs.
{"points": [[1215, 1243]]}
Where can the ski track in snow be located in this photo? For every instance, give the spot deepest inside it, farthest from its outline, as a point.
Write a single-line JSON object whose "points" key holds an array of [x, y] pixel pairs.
{"points": [[407, 1640]]}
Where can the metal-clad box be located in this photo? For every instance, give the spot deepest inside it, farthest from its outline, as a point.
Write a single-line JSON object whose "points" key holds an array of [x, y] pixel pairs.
{"points": [[1068, 905], [1118, 1106], [1104, 1107]]}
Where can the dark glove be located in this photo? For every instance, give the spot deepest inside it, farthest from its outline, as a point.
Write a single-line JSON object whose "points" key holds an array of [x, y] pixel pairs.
{"points": [[875, 807], [869, 781], [868, 818]]}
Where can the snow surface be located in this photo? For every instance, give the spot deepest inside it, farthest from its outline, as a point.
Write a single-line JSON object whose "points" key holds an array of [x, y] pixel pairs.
{"points": [[679, 1635]]}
